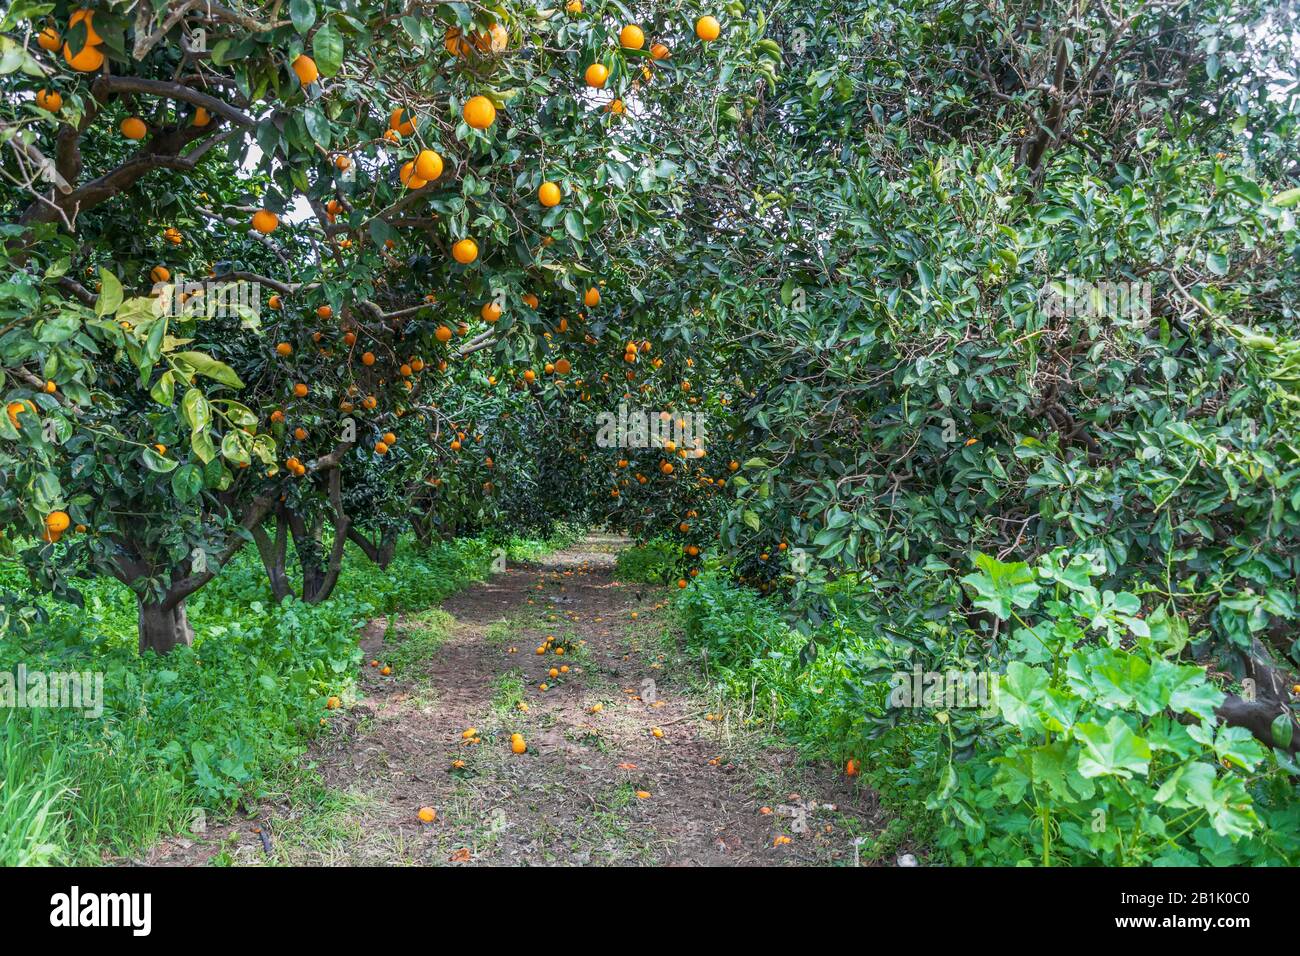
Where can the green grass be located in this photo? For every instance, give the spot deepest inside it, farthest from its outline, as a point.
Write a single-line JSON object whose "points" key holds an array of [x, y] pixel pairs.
{"points": [[208, 726], [507, 691], [32, 784], [418, 637], [531, 549]]}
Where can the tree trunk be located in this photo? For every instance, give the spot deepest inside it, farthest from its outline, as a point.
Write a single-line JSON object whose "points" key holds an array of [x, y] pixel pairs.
{"points": [[314, 579], [163, 627], [1271, 699], [325, 576], [381, 553], [423, 529], [272, 553]]}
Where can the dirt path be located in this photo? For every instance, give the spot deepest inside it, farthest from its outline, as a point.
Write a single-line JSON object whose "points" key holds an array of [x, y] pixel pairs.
{"points": [[593, 787]]}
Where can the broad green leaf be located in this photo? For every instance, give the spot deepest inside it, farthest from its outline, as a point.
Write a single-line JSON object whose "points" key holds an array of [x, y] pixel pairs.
{"points": [[187, 482], [1112, 750], [327, 49], [110, 294], [209, 367], [156, 462]]}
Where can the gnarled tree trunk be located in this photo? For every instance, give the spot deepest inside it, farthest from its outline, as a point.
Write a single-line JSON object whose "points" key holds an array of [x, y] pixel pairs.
{"points": [[1271, 699], [381, 553], [163, 625], [321, 569], [273, 557]]}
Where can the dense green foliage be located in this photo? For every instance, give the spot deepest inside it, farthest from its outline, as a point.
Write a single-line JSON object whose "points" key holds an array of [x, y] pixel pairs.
{"points": [[999, 280], [1093, 746]]}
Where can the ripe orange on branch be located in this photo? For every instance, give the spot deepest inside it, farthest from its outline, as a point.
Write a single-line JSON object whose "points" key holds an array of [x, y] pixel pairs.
{"points": [[479, 112], [14, 409], [465, 251], [133, 128], [495, 40], [304, 67], [455, 43], [401, 121], [428, 165], [87, 60], [708, 29], [408, 176], [56, 522], [631, 37], [87, 19], [265, 221], [548, 194]]}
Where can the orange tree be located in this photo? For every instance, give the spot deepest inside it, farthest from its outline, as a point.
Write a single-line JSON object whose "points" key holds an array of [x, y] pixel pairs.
{"points": [[419, 200], [1002, 281]]}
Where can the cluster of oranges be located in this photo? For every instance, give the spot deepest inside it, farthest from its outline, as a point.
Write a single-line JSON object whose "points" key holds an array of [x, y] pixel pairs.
{"points": [[493, 40], [87, 59], [425, 167], [550, 644]]}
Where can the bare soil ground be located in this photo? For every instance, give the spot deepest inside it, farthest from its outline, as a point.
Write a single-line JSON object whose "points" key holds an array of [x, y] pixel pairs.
{"points": [[593, 787]]}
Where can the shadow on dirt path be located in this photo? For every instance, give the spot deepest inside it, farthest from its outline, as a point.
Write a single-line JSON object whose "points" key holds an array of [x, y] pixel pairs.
{"points": [[596, 785]]}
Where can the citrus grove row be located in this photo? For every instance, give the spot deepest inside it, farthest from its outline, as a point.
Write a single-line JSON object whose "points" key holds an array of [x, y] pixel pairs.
{"points": [[971, 330], [330, 276]]}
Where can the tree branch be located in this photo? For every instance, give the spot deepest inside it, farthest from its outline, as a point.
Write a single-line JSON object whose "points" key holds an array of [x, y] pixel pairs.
{"points": [[106, 85]]}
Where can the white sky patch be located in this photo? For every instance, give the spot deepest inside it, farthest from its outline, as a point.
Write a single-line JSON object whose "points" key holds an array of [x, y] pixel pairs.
{"points": [[299, 209]]}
